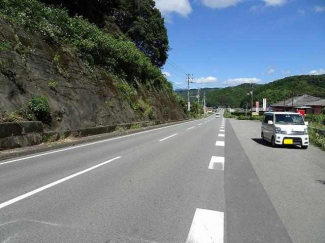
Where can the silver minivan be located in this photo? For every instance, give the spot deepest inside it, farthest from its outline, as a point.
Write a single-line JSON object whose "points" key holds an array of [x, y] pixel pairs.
{"points": [[285, 128]]}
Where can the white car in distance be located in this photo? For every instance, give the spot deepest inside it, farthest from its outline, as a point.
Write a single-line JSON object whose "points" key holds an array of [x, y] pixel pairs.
{"points": [[218, 115], [285, 128]]}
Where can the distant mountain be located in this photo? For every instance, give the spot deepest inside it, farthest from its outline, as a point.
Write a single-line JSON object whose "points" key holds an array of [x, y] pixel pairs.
{"points": [[239, 96]]}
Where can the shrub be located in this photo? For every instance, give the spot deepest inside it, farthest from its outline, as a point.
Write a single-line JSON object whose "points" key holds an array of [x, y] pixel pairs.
{"points": [[41, 109], [316, 138], [4, 46], [53, 83], [318, 119]]}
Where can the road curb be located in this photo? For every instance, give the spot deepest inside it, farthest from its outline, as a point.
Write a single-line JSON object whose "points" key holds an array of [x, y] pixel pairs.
{"points": [[14, 153]]}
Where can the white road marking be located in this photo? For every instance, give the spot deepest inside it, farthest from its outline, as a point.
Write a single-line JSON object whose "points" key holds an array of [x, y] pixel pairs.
{"points": [[221, 135], [220, 143], [207, 227], [168, 137], [190, 128], [217, 163], [221, 130], [88, 144], [19, 198], [200, 124]]}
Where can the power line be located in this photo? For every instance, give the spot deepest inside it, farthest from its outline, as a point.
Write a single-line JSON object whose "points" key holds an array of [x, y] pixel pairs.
{"points": [[176, 65]]}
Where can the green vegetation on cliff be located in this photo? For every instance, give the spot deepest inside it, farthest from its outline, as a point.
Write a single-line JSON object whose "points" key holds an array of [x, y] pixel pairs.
{"points": [[87, 75], [118, 55], [140, 21]]}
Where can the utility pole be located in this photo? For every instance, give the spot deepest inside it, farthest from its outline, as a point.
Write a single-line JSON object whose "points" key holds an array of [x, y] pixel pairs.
{"points": [[204, 108], [198, 95], [284, 101], [188, 93], [292, 101], [252, 96]]}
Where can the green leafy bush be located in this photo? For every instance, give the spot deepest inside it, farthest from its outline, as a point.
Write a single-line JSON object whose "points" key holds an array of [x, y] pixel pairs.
{"points": [[4, 46], [313, 118], [41, 109], [317, 138]]}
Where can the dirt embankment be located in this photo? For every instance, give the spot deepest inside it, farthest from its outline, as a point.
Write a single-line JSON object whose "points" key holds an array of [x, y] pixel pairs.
{"points": [[79, 96]]}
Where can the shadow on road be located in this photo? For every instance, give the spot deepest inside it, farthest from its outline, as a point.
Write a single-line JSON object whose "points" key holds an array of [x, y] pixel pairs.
{"points": [[267, 144]]}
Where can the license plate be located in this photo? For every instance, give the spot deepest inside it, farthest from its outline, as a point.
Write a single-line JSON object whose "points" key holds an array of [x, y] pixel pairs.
{"points": [[288, 141]]}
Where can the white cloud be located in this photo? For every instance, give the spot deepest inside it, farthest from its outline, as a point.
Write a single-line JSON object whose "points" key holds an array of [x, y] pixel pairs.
{"points": [[302, 12], [286, 73], [167, 7], [319, 9], [167, 74], [271, 71], [206, 80], [317, 72], [275, 2], [220, 3], [237, 81]]}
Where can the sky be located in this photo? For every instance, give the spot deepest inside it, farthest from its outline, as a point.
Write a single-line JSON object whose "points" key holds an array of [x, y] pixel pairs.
{"points": [[229, 42]]}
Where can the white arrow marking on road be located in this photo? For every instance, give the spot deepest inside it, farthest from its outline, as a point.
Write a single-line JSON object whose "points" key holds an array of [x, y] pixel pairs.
{"points": [[217, 163], [14, 200], [207, 227], [168, 137]]}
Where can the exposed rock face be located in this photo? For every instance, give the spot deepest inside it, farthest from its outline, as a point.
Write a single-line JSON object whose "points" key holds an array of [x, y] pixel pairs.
{"points": [[79, 96]]}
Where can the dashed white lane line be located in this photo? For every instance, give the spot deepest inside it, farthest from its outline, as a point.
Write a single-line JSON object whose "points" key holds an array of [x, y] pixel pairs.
{"points": [[207, 227], [16, 199], [190, 128], [221, 130], [220, 143], [221, 135], [200, 124], [217, 163], [168, 137]]}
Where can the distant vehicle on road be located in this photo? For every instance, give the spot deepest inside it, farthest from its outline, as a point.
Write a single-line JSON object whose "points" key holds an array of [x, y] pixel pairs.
{"points": [[285, 128], [218, 115]]}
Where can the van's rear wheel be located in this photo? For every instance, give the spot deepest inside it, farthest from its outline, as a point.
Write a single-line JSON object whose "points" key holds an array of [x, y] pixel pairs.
{"points": [[262, 135]]}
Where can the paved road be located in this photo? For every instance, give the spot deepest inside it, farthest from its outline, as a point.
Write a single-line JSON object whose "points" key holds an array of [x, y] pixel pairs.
{"points": [[201, 181]]}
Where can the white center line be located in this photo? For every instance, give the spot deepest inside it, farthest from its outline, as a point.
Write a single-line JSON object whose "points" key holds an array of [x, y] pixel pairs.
{"points": [[190, 128], [168, 137], [221, 130], [217, 163], [16, 199], [221, 135], [207, 227], [220, 143]]}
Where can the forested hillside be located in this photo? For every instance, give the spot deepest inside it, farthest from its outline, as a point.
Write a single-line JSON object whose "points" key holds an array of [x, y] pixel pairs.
{"points": [[70, 73], [239, 96], [138, 20]]}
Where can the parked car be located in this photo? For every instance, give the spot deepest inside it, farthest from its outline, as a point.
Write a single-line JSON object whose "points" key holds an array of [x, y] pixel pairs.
{"points": [[285, 128], [218, 115]]}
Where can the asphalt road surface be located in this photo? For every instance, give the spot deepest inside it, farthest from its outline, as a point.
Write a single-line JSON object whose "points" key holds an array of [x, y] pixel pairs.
{"points": [[211, 180]]}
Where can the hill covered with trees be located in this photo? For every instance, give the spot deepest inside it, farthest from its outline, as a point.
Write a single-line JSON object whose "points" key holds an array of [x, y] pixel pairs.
{"points": [[239, 96], [138, 20]]}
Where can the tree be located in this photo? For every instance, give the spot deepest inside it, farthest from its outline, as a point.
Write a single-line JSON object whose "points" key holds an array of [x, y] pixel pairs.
{"points": [[139, 20]]}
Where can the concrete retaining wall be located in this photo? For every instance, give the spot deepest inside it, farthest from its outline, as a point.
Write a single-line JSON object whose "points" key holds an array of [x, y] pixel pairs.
{"points": [[17, 135]]}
